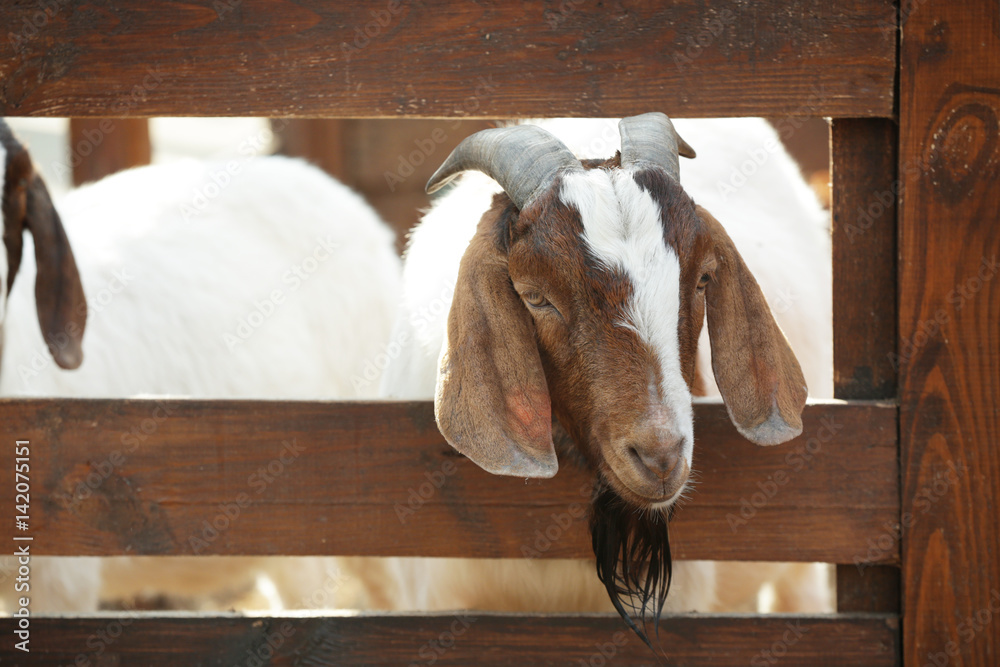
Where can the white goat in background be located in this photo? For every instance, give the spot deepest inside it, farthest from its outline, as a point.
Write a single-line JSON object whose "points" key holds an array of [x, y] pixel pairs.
{"points": [[581, 294], [268, 281]]}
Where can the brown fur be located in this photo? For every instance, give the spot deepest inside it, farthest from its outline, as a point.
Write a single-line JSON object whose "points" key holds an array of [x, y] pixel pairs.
{"points": [[493, 404], [535, 326], [756, 371], [511, 365], [62, 309]]}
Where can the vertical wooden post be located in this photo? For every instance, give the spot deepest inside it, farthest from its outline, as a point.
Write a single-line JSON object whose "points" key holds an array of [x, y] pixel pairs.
{"points": [[949, 330], [101, 146], [865, 187]]}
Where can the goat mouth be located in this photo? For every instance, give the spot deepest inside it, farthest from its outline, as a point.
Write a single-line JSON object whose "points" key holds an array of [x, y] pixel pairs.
{"points": [[645, 495]]}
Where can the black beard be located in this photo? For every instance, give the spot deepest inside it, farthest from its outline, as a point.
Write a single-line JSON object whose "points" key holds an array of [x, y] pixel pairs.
{"points": [[632, 548]]}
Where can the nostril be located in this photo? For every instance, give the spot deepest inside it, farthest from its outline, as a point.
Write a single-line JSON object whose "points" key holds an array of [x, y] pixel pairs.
{"points": [[660, 461]]}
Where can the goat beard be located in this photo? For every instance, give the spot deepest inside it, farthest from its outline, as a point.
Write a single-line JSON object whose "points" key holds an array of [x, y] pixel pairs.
{"points": [[632, 547]]}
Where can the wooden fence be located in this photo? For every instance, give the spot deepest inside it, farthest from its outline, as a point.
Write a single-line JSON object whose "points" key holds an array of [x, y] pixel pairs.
{"points": [[913, 90]]}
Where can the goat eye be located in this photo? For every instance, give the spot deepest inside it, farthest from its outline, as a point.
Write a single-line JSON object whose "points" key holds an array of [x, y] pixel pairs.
{"points": [[535, 299], [703, 281]]}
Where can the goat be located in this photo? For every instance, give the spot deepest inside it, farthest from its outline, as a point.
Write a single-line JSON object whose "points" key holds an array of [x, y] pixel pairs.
{"points": [[575, 304], [196, 288]]}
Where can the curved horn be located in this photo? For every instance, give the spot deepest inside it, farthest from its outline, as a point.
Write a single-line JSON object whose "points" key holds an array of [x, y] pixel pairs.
{"points": [[652, 139], [523, 159]]}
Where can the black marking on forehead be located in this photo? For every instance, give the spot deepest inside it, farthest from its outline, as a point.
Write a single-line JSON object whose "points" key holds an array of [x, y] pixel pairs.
{"points": [[681, 223]]}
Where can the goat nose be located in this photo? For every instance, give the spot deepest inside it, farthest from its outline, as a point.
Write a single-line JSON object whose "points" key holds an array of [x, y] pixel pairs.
{"points": [[660, 461]]}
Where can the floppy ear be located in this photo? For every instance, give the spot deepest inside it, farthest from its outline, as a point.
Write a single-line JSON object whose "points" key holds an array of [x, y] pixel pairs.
{"points": [[491, 401], [62, 308], [756, 370]]}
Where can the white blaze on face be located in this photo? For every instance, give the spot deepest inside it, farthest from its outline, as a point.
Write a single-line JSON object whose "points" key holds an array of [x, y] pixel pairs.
{"points": [[622, 229]]}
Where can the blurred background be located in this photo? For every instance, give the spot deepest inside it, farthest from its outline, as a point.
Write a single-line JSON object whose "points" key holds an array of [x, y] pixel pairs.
{"points": [[388, 161]]}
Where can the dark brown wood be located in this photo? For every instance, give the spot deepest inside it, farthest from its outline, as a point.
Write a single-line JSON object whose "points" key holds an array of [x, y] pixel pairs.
{"points": [[868, 589], [99, 147], [309, 58], [859, 640], [257, 477], [865, 189], [949, 329]]}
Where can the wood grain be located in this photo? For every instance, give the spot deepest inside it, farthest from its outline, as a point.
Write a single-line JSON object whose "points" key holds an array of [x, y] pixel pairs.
{"points": [[949, 328], [860, 640], [384, 58], [259, 477], [865, 189], [870, 589], [101, 147]]}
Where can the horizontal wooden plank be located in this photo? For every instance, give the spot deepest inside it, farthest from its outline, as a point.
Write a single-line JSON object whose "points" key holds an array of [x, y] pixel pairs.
{"points": [[385, 58], [860, 640], [296, 478]]}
